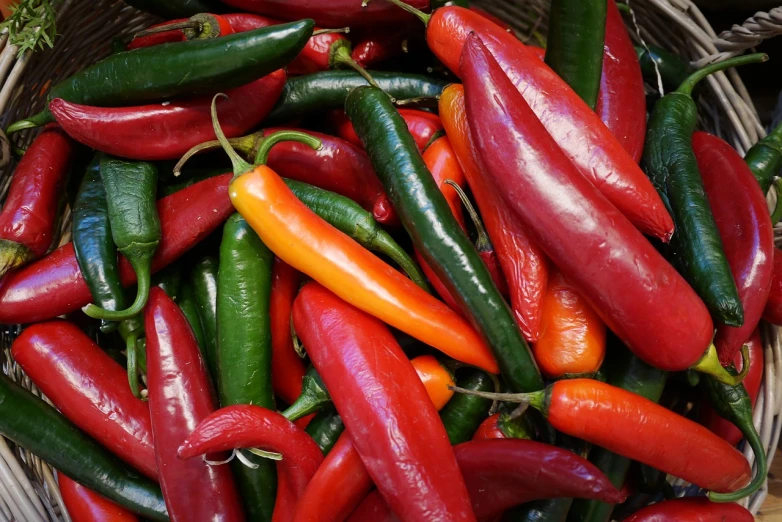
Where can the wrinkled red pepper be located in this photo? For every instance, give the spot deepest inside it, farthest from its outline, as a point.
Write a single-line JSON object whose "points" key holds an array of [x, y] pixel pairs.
{"points": [[180, 397], [424, 126], [29, 215], [691, 510], [287, 367], [84, 505], [742, 218], [773, 310], [86, 385], [54, 285], [373, 386]]}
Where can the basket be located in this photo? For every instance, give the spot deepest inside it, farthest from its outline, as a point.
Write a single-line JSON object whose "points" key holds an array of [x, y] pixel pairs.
{"points": [[28, 487]]}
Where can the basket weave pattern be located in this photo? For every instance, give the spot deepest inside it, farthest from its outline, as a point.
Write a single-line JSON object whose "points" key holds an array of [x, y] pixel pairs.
{"points": [[28, 489]]}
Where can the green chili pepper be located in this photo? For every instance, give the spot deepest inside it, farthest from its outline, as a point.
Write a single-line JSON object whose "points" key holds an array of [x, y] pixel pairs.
{"points": [[169, 70], [39, 428], [325, 428], [425, 214], [673, 70], [765, 158], [304, 95], [135, 226], [93, 244], [670, 163], [574, 49], [203, 279], [244, 352], [314, 397], [436, 4], [464, 413], [169, 9], [187, 304], [546, 510], [169, 280]]}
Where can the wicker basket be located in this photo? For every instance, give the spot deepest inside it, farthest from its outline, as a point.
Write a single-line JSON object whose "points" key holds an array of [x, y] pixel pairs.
{"points": [[28, 488]]}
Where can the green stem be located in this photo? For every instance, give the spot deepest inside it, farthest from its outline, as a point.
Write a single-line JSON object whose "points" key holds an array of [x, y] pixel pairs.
{"points": [[777, 214], [405, 7], [245, 144], [313, 398], [130, 349], [689, 84], [142, 267], [20, 126], [273, 139], [710, 365], [239, 165], [386, 245], [484, 243], [535, 399], [343, 30], [340, 56], [751, 434], [190, 24]]}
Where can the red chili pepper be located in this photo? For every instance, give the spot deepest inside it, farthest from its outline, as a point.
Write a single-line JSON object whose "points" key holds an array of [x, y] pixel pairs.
{"points": [[489, 429], [742, 218], [636, 292], [180, 397], [621, 101], [691, 510], [380, 44], [422, 125], [84, 505], [414, 466], [287, 367], [167, 131], [722, 427], [202, 25], [576, 129], [86, 385], [156, 38], [373, 509], [773, 310], [30, 212], [247, 426], [54, 285]]}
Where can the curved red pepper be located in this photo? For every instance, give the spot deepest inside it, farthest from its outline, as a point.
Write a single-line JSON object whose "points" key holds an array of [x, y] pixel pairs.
{"points": [[742, 218], [634, 290], [180, 397], [54, 285], [373, 509], [167, 131], [413, 465], [773, 310], [380, 44], [246, 426], [287, 367], [723, 427], [151, 40], [572, 124], [621, 101], [489, 429], [84, 505], [691, 510], [30, 211], [421, 124], [319, 53], [86, 385]]}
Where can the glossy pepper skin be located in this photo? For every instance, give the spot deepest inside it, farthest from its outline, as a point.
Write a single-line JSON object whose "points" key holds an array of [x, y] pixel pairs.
{"points": [[523, 263], [287, 367], [415, 468], [180, 397], [765, 158], [325, 429], [203, 280], [34, 425], [621, 99], [464, 413], [742, 219], [691, 510], [167, 131], [673, 70], [87, 386], [423, 126], [773, 310], [638, 295], [54, 285], [84, 505], [177, 8], [424, 212], [380, 45], [29, 215]]}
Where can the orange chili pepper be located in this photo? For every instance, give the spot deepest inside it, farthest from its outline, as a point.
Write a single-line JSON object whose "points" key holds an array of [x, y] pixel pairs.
{"points": [[437, 380], [572, 336]]}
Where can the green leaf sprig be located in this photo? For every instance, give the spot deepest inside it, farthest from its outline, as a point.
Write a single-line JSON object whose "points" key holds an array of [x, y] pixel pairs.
{"points": [[31, 25]]}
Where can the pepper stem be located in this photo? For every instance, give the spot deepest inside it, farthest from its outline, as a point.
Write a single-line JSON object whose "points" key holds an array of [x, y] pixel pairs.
{"points": [[312, 399], [340, 56], [240, 166], [689, 84], [751, 434], [142, 266], [483, 244], [20, 126], [385, 244], [343, 30], [245, 144], [535, 399], [710, 365], [287, 135], [130, 351], [409, 8], [13, 255], [190, 24]]}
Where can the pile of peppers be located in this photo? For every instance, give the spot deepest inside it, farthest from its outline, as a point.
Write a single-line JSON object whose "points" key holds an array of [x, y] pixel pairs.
{"points": [[510, 288]]}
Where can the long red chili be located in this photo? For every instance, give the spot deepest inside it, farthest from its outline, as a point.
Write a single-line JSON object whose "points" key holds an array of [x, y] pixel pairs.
{"points": [[424, 126], [84, 505], [773, 310], [691, 510], [167, 131], [202, 25], [621, 100], [246, 426], [636, 292], [86, 385], [287, 367], [54, 285], [373, 386], [30, 212], [180, 397], [373, 508], [742, 218]]}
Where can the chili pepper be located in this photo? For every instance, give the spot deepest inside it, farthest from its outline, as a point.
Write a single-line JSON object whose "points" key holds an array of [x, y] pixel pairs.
{"points": [[309, 244], [464, 413], [673, 70], [380, 44], [313, 397], [135, 225], [203, 280], [180, 397], [198, 26], [435, 4], [573, 125], [691, 510], [325, 428], [244, 349], [415, 468], [187, 303], [327, 90], [84, 505], [34, 425], [81, 381], [424, 212], [642, 299], [490, 429], [169, 280], [773, 310], [198, 66], [522, 261], [672, 166], [621, 99], [572, 336], [423, 126], [247, 426], [174, 8], [741, 215], [29, 215], [373, 508], [159, 132], [574, 44], [287, 367], [503, 426], [158, 34], [765, 158]]}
